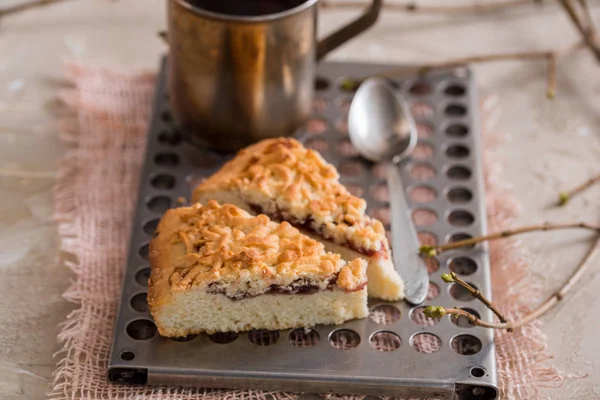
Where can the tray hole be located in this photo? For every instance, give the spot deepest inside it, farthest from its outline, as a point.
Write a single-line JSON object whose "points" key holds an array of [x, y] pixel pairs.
{"points": [[263, 337], [432, 264], [424, 131], [139, 302], [427, 238], [457, 151], [384, 314], [459, 195], [319, 145], [346, 148], [477, 372], [224, 337], [185, 339], [422, 172], [424, 217], [455, 110], [420, 88], [381, 193], [458, 173], [467, 345], [460, 293], [304, 337], [316, 126], [422, 194], [385, 341], [343, 103], [172, 138], [455, 90], [422, 151], [347, 84], [421, 110], [127, 355], [320, 105], [166, 159], [418, 317], [166, 116], [461, 218], [459, 237], [159, 204], [433, 292], [462, 266], [355, 190], [142, 276], [321, 83], [457, 130], [143, 251], [351, 168], [163, 182], [426, 343], [342, 126], [383, 214], [379, 171], [462, 321], [150, 226], [141, 329], [344, 339]]}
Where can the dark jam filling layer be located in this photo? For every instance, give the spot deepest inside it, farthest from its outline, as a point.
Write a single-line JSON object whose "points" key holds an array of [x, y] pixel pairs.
{"points": [[306, 225], [299, 286]]}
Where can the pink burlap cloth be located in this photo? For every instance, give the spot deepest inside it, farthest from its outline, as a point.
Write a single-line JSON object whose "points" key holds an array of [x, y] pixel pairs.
{"points": [[95, 196]]}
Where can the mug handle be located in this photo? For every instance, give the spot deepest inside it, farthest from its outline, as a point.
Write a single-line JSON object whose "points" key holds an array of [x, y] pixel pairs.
{"points": [[349, 31]]}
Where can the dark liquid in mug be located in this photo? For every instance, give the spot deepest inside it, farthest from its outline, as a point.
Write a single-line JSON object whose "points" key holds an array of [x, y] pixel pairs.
{"points": [[246, 8]]}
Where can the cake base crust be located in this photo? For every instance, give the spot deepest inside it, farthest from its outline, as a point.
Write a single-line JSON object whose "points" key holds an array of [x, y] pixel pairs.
{"points": [[197, 311]]}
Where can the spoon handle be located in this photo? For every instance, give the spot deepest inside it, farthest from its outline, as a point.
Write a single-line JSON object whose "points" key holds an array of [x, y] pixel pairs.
{"points": [[405, 242]]}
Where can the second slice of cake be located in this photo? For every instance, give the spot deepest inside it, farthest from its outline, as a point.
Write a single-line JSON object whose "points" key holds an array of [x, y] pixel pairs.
{"points": [[288, 182], [216, 268]]}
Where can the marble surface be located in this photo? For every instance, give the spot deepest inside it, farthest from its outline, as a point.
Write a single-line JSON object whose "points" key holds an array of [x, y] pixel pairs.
{"points": [[553, 144]]}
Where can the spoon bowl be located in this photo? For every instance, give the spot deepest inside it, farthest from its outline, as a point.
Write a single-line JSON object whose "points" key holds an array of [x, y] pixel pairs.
{"points": [[380, 124]]}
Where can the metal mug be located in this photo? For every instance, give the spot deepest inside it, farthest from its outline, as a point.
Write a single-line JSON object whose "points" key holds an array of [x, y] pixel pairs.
{"points": [[237, 79]]}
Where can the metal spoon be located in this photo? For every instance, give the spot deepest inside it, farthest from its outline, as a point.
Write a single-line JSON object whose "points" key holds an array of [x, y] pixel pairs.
{"points": [[382, 129]]}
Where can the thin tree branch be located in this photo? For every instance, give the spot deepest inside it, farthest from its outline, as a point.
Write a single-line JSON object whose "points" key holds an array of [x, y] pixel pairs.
{"points": [[431, 251], [587, 32], [551, 56], [27, 6], [417, 8], [523, 55], [586, 14], [452, 277], [551, 88], [564, 197], [551, 302]]}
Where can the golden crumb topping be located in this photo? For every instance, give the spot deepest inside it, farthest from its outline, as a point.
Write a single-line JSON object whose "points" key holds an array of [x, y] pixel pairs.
{"points": [[287, 181], [231, 252]]}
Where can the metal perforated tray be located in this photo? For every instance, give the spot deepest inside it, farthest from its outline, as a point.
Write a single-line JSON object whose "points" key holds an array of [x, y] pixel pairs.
{"points": [[397, 351]]}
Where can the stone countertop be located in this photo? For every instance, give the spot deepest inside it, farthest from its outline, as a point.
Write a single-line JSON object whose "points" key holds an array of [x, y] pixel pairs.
{"points": [[554, 144]]}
